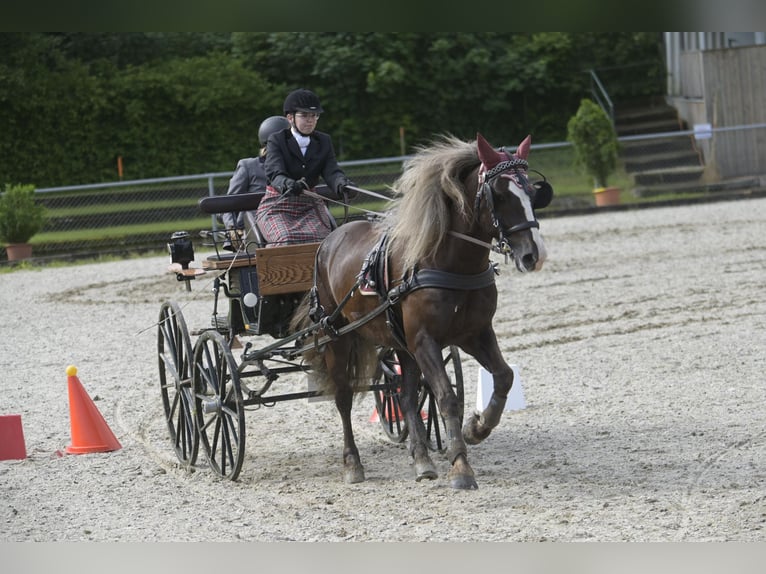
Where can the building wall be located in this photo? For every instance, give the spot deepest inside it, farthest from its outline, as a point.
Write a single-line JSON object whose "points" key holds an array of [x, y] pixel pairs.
{"points": [[735, 95], [720, 79]]}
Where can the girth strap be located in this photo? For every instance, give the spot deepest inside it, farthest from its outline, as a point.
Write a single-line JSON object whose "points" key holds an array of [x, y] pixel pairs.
{"points": [[443, 280], [458, 282]]}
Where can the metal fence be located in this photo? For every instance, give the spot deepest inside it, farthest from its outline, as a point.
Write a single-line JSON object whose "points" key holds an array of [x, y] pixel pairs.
{"points": [[141, 215]]}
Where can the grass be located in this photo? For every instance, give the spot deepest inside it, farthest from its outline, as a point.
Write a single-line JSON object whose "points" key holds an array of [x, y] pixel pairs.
{"points": [[573, 188], [111, 208], [567, 179], [118, 231]]}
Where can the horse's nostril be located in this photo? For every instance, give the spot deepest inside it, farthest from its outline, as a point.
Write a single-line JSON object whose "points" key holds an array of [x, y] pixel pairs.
{"points": [[529, 260]]}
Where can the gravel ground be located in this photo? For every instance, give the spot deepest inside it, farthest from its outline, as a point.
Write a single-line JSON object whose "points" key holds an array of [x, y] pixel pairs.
{"points": [[642, 360]]}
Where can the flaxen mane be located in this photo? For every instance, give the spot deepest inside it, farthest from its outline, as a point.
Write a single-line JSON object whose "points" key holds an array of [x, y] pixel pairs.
{"points": [[429, 184]]}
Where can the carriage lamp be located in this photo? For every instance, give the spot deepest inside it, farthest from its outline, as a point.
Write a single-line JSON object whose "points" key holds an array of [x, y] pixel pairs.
{"points": [[181, 249]]}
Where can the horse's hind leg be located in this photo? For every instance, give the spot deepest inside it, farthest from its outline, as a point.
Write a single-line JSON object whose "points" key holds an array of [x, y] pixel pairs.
{"points": [[424, 466], [337, 357], [479, 426]]}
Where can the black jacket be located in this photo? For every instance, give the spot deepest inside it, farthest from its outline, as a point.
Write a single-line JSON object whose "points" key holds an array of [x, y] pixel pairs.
{"points": [[285, 163]]}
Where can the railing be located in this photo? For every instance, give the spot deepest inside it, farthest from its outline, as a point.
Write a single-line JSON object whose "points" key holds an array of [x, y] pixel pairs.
{"points": [[600, 95], [135, 216]]}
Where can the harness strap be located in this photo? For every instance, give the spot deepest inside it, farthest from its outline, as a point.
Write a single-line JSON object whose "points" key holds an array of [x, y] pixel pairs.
{"points": [[419, 279], [445, 280]]}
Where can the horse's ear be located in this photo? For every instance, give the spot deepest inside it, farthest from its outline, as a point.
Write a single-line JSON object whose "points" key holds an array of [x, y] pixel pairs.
{"points": [[487, 154], [523, 150]]}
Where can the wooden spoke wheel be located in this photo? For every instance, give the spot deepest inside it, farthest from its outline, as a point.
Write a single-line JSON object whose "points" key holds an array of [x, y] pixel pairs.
{"points": [[388, 400], [174, 351], [218, 405]]}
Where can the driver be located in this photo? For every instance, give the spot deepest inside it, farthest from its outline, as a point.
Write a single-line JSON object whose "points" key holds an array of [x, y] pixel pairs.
{"points": [[296, 157]]}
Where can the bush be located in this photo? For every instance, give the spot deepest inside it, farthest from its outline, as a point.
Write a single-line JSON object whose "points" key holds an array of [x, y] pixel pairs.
{"points": [[20, 215], [594, 140]]}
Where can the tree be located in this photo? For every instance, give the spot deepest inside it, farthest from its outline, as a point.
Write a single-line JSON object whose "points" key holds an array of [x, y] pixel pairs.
{"points": [[182, 102]]}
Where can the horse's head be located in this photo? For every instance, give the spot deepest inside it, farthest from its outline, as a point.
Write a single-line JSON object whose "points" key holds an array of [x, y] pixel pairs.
{"points": [[507, 200]]}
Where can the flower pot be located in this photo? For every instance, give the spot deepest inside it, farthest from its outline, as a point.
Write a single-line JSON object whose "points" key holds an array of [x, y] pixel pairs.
{"points": [[606, 196], [18, 251]]}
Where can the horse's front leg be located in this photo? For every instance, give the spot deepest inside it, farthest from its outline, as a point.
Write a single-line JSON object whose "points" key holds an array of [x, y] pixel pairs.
{"points": [[429, 357], [424, 466], [486, 350]]}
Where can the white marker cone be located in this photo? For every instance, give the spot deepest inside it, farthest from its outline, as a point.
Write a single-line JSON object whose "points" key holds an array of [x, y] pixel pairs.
{"points": [[485, 386]]}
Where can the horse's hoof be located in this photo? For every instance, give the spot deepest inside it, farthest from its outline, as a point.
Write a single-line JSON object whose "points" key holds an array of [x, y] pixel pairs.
{"points": [[471, 430], [430, 475], [464, 482], [425, 470], [353, 475]]}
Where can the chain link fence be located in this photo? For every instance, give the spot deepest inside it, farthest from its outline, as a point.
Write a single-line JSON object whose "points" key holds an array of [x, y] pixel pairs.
{"points": [[139, 216]]}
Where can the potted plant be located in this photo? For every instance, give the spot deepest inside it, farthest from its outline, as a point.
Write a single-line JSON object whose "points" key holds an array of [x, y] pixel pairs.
{"points": [[20, 218], [596, 148]]}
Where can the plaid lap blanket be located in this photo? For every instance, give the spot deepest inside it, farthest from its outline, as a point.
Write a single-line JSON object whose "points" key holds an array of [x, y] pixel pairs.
{"points": [[285, 219]]}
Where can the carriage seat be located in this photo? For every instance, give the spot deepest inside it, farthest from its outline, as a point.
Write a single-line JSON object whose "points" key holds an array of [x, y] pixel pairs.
{"points": [[280, 269], [228, 203]]}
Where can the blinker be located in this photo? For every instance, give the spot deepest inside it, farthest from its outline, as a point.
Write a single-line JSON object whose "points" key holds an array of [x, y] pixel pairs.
{"points": [[543, 194]]}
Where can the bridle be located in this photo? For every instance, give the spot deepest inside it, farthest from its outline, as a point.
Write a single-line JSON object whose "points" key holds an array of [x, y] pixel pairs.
{"points": [[517, 166]]}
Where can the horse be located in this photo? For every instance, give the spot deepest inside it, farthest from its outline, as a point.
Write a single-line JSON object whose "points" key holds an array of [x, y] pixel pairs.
{"points": [[432, 247]]}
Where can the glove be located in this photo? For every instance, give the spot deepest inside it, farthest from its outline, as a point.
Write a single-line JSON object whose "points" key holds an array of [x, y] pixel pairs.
{"points": [[345, 188], [297, 187], [233, 240]]}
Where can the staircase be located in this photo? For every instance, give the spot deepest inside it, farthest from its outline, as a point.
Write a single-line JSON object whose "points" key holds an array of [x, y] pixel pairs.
{"points": [[666, 163], [662, 164]]}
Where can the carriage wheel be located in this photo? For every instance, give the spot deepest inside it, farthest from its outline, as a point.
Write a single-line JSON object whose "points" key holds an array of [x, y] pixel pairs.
{"points": [[435, 426], [174, 351], [388, 401], [218, 404]]}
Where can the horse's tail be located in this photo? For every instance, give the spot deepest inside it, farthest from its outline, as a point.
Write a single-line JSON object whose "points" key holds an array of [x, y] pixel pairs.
{"points": [[360, 363]]}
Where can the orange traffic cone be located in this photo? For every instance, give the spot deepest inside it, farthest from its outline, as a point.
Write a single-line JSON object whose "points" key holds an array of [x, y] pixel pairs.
{"points": [[398, 416], [90, 433], [11, 438]]}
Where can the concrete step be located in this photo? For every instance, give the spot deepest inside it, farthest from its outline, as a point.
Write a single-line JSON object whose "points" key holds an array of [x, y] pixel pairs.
{"points": [[650, 126], [674, 175], [640, 115], [670, 159], [656, 146]]}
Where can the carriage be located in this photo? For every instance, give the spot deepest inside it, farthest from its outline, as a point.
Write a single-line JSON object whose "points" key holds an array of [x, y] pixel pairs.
{"points": [[355, 314]]}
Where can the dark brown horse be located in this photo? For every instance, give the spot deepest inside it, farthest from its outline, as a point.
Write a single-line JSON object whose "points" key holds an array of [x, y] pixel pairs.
{"points": [[451, 202]]}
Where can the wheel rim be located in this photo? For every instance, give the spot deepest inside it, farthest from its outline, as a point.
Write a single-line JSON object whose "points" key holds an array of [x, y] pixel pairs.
{"points": [[218, 405], [174, 352], [388, 401]]}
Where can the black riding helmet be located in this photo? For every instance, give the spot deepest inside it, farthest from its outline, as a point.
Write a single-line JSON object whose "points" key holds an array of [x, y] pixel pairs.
{"points": [[271, 125], [302, 100]]}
